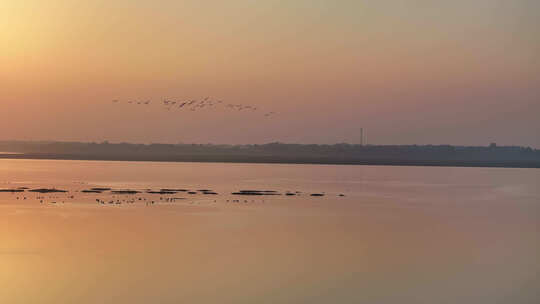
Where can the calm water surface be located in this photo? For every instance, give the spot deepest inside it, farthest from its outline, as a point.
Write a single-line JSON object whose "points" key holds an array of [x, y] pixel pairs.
{"points": [[399, 235]]}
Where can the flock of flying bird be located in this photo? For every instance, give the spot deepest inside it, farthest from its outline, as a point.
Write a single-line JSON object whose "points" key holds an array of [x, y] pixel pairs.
{"points": [[194, 105]]}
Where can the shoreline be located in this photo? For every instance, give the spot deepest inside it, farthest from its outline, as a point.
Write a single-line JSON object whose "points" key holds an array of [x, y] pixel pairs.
{"points": [[277, 160]]}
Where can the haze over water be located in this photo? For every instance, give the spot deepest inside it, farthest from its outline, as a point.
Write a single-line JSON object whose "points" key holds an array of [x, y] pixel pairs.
{"points": [[454, 83], [399, 235]]}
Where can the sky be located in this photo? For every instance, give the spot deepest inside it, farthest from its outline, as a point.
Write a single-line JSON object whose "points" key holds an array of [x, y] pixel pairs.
{"points": [[408, 72]]}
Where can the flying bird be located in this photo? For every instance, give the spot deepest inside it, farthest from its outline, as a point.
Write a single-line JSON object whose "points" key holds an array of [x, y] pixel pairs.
{"points": [[199, 104]]}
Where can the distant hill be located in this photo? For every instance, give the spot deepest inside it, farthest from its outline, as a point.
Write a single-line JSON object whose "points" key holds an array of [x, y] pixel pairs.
{"points": [[421, 155]]}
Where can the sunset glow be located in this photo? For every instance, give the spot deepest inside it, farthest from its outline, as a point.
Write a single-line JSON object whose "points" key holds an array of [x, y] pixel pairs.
{"points": [[328, 68], [269, 151]]}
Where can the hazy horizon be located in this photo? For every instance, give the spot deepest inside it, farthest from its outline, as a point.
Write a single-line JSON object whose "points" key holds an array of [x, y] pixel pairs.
{"points": [[240, 151], [459, 72], [247, 144]]}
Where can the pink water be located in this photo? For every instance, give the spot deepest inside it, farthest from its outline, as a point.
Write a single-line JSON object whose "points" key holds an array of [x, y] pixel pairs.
{"points": [[399, 235]]}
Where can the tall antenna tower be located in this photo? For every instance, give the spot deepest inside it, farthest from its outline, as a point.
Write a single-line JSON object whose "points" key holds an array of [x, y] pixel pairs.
{"points": [[361, 136]]}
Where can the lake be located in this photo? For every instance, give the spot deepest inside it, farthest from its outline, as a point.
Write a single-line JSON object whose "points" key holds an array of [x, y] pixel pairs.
{"points": [[379, 234]]}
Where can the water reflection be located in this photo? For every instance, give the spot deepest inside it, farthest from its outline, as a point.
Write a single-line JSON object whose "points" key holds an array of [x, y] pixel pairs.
{"points": [[400, 235]]}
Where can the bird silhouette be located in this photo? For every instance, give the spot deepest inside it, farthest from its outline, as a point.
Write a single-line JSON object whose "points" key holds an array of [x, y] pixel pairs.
{"points": [[205, 103]]}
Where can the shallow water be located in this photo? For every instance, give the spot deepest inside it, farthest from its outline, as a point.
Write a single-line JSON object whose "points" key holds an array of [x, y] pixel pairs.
{"points": [[399, 235]]}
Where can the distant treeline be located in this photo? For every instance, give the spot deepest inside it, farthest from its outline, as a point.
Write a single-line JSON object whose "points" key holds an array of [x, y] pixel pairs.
{"points": [[498, 156]]}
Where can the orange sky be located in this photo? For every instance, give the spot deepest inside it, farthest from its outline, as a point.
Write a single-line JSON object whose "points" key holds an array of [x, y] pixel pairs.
{"points": [[422, 72]]}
